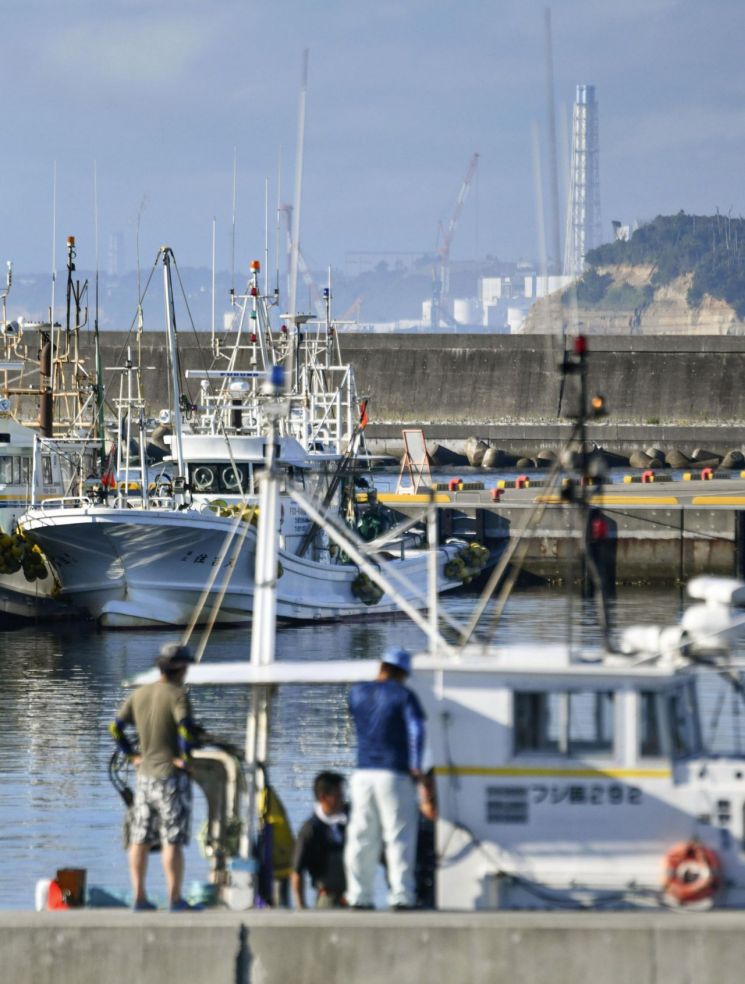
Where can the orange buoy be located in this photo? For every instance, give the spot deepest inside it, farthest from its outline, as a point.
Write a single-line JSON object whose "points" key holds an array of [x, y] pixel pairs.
{"points": [[692, 874]]}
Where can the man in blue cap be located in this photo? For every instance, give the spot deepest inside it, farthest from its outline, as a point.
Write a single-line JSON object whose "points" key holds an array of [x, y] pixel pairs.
{"points": [[389, 721]]}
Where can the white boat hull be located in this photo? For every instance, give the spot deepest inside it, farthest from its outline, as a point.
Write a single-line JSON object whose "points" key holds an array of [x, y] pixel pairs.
{"points": [[130, 569]]}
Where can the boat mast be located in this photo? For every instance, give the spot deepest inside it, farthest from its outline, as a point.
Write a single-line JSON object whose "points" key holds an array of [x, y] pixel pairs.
{"points": [[295, 245], [166, 253], [97, 338], [264, 624]]}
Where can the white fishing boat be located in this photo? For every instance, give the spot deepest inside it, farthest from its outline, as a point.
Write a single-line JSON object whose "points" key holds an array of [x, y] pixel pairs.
{"points": [[571, 780], [565, 778], [48, 409], [183, 551]]}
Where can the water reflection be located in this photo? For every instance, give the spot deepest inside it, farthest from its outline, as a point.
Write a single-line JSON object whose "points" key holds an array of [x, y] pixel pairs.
{"points": [[61, 686]]}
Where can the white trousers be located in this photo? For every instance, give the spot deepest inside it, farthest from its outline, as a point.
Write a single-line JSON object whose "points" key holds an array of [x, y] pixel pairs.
{"points": [[384, 815]]}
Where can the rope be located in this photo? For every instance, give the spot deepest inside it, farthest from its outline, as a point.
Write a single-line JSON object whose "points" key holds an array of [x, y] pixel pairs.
{"points": [[219, 560]]}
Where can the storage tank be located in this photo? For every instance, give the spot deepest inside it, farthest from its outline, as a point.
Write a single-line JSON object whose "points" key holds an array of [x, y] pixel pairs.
{"points": [[515, 319], [467, 311]]}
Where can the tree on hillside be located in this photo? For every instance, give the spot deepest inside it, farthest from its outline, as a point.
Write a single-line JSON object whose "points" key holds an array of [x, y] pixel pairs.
{"points": [[711, 247]]}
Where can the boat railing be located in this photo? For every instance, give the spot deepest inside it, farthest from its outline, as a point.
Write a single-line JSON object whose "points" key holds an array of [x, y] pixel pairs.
{"points": [[65, 502]]}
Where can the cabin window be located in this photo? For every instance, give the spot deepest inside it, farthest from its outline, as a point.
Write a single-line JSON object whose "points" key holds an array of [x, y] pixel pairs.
{"points": [[223, 477], [537, 722], [577, 723], [46, 469], [15, 470], [683, 723], [650, 732], [590, 722]]}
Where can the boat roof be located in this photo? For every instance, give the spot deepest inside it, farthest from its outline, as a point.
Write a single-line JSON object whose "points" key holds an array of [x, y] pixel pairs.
{"points": [[525, 666], [14, 434], [242, 448]]}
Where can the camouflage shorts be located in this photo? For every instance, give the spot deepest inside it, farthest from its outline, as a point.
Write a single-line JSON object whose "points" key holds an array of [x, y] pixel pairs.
{"points": [[161, 810]]}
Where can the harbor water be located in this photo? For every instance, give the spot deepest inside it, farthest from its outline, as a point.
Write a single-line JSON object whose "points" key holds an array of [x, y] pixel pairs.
{"points": [[60, 686]]}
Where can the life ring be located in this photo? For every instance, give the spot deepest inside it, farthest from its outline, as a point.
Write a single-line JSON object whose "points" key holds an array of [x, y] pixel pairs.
{"points": [[692, 874]]}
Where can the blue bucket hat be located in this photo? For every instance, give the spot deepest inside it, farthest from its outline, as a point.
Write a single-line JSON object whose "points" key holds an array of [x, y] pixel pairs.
{"points": [[399, 658]]}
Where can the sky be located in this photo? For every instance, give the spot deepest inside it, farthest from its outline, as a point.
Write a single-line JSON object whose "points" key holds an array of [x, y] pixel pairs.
{"points": [[160, 96]]}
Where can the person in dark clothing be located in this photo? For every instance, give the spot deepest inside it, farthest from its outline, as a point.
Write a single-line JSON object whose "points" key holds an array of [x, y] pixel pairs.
{"points": [[389, 721], [426, 854], [319, 848]]}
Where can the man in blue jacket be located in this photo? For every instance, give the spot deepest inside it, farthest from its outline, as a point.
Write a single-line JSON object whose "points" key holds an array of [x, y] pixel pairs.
{"points": [[389, 721]]}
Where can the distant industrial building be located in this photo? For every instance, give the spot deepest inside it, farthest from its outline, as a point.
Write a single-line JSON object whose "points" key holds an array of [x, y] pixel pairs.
{"points": [[583, 227], [116, 259]]}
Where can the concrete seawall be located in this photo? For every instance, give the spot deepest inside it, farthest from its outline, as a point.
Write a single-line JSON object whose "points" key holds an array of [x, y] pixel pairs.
{"points": [[658, 389], [371, 948]]}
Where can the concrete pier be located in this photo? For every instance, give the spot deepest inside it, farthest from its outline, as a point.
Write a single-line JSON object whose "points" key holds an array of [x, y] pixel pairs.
{"points": [[663, 532], [93, 947]]}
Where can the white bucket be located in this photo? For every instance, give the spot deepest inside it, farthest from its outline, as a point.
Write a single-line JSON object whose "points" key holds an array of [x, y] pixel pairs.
{"points": [[41, 895]]}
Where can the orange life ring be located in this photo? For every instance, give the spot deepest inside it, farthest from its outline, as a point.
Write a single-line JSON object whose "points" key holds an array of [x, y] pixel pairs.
{"points": [[692, 873]]}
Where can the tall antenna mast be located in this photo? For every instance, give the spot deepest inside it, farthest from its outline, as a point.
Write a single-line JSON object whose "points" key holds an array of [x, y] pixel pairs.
{"points": [[555, 258], [266, 236], [298, 189], [235, 193], [279, 219], [96, 336], [213, 282]]}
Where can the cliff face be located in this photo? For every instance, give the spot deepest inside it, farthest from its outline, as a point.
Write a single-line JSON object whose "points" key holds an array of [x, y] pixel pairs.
{"points": [[631, 305]]}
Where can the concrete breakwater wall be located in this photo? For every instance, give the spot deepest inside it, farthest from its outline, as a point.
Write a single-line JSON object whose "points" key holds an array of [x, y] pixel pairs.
{"points": [[497, 386], [371, 948]]}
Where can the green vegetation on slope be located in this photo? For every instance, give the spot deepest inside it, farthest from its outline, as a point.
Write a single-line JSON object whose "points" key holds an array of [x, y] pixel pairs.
{"points": [[711, 247]]}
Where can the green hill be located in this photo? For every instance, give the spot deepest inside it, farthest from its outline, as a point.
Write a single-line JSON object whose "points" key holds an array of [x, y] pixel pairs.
{"points": [[710, 247]]}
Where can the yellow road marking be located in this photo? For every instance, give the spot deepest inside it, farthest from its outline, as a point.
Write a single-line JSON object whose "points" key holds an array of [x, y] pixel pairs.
{"points": [[718, 500], [619, 500]]}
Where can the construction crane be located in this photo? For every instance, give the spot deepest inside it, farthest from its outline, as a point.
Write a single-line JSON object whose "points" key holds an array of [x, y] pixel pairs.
{"points": [[441, 274]]}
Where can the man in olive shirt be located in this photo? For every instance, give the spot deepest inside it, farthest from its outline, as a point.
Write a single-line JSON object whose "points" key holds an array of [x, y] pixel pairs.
{"points": [[161, 715]]}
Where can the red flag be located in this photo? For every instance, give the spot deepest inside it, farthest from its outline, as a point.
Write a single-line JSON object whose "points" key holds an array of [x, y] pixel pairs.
{"points": [[364, 419]]}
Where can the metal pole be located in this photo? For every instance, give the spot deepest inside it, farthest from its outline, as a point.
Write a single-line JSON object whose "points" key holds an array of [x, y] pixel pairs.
{"points": [[432, 574], [175, 381], [264, 625], [129, 424]]}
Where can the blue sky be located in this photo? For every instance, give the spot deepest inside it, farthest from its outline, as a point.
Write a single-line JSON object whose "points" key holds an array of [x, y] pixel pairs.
{"points": [[400, 96]]}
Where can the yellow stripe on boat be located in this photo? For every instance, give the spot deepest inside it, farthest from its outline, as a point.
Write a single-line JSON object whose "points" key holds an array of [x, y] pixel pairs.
{"points": [[516, 773]]}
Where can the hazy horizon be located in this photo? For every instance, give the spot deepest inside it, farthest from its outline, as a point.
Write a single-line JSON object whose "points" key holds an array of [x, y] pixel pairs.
{"points": [[399, 98]]}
